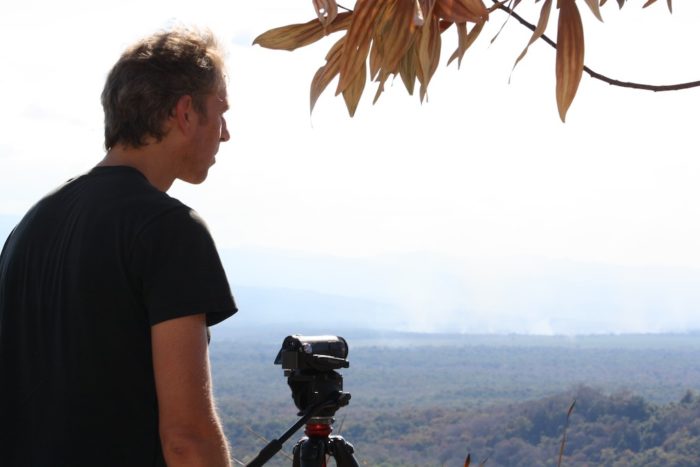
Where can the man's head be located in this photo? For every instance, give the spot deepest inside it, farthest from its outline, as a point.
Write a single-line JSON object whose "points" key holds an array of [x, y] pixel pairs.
{"points": [[145, 85]]}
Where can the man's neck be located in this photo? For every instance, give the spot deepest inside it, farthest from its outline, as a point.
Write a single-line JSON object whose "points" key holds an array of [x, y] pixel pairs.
{"points": [[150, 160]]}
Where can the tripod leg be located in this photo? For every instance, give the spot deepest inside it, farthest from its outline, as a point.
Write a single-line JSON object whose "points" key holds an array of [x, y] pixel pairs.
{"points": [[295, 454], [342, 451], [310, 452]]}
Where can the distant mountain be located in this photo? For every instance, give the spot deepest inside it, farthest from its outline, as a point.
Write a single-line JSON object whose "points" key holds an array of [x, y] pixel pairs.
{"points": [[434, 293], [302, 310]]}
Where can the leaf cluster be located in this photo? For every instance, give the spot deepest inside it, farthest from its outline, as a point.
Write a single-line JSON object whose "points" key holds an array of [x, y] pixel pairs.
{"points": [[386, 38]]}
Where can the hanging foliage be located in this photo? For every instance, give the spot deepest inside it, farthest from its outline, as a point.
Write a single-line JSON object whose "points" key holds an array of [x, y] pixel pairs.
{"points": [[386, 38]]}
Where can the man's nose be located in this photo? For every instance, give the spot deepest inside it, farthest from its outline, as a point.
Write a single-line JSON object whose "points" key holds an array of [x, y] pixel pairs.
{"points": [[225, 136]]}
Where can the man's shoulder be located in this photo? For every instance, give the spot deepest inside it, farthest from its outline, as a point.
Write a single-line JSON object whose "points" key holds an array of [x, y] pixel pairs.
{"points": [[105, 199]]}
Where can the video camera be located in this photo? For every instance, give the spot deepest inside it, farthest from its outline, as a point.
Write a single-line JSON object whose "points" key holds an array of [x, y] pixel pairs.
{"points": [[309, 363], [318, 353]]}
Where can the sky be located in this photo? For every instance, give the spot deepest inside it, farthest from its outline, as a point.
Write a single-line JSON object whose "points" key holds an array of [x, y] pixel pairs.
{"points": [[476, 211]]}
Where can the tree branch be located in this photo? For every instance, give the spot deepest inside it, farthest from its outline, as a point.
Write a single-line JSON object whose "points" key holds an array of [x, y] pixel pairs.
{"points": [[596, 75]]}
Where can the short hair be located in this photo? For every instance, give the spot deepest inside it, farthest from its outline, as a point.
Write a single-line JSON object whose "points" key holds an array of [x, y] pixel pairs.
{"points": [[150, 77]]}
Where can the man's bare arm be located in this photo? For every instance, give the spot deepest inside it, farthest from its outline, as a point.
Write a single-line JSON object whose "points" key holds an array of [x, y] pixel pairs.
{"points": [[190, 430]]}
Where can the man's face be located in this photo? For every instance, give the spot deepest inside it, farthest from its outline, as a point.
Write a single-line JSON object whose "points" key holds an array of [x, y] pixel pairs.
{"points": [[209, 133]]}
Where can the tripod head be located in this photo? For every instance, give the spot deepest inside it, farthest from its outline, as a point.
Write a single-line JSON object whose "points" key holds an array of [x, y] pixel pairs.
{"points": [[309, 363]]}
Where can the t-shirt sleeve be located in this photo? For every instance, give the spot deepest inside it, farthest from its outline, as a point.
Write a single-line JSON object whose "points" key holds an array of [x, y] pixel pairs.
{"points": [[179, 269]]}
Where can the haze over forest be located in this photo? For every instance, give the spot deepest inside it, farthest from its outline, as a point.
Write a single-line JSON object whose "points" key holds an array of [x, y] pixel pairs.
{"points": [[432, 293]]}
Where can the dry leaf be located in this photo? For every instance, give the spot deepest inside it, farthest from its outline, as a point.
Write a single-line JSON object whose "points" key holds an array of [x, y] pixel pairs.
{"points": [[326, 10], [461, 11], [465, 41], [570, 53], [426, 7], [394, 35], [380, 88], [461, 44], [358, 41], [298, 35], [668, 2], [353, 92], [408, 68], [327, 72], [539, 30], [398, 36], [428, 54], [619, 2], [381, 27], [503, 26], [418, 18], [595, 8], [375, 59]]}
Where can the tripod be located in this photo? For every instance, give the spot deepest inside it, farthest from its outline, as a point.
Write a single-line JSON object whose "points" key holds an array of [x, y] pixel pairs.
{"points": [[309, 363], [311, 450]]}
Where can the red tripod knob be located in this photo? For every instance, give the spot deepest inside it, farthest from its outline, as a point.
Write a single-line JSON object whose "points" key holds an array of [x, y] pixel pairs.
{"points": [[320, 430]]}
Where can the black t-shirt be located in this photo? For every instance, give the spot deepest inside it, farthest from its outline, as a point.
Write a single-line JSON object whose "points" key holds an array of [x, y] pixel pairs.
{"points": [[83, 277]]}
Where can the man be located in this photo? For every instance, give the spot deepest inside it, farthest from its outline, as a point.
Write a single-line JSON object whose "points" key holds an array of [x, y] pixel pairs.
{"points": [[107, 285]]}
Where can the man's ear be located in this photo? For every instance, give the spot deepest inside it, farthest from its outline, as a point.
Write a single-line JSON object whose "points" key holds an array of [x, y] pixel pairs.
{"points": [[183, 114]]}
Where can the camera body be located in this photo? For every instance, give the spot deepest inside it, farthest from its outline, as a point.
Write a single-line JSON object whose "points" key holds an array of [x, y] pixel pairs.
{"points": [[318, 353], [309, 363]]}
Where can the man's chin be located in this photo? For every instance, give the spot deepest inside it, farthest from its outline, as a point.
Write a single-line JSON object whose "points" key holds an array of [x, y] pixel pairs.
{"points": [[195, 179]]}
